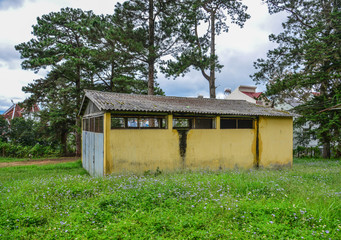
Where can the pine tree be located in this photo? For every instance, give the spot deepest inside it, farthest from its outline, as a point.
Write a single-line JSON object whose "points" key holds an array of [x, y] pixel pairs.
{"points": [[148, 31], [308, 60], [200, 51]]}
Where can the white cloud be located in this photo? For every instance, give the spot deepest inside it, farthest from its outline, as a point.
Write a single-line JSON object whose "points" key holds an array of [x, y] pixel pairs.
{"points": [[14, 80], [6, 4]]}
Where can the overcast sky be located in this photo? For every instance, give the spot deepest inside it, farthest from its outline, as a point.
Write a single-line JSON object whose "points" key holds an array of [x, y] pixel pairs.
{"points": [[237, 49]]}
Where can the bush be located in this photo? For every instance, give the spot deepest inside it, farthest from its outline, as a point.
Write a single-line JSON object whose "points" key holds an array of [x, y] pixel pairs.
{"points": [[37, 150], [301, 151], [19, 151]]}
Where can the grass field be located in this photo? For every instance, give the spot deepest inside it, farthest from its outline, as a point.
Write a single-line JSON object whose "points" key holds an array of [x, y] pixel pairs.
{"points": [[63, 202], [7, 159]]}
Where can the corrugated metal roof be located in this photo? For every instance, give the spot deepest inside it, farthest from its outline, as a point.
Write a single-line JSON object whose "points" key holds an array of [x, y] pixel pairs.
{"points": [[109, 101]]}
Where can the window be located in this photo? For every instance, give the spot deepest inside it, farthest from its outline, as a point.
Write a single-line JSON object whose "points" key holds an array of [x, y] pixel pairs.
{"points": [[147, 122], [193, 122], [94, 124], [228, 123], [182, 123], [235, 123], [132, 122], [204, 123], [245, 123], [117, 122], [143, 122], [98, 125], [86, 126]]}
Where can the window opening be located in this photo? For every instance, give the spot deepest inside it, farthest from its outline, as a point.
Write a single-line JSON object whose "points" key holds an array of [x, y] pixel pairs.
{"points": [[145, 122], [228, 123], [99, 124], [182, 123], [245, 123], [94, 124], [235, 123], [117, 122], [132, 123], [204, 123], [194, 122]]}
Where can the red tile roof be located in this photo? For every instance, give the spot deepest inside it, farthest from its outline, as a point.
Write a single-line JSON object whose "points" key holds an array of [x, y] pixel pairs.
{"points": [[16, 111], [253, 94]]}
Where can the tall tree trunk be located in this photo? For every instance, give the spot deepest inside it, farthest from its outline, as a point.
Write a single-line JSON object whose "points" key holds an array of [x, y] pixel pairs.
{"points": [[78, 120], [151, 57], [64, 133], [326, 150], [325, 135], [112, 77], [212, 64], [151, 78], [64, 142]]}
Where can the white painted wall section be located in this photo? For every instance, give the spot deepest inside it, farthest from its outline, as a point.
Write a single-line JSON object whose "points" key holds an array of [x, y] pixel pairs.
{"points": [[238, 95]]}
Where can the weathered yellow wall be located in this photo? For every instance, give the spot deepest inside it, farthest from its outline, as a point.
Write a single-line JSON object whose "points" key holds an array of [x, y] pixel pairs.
{"points": [[129, 150], [275, 142], [143, 149], [107, 166], [148, 149], [220, 148]]}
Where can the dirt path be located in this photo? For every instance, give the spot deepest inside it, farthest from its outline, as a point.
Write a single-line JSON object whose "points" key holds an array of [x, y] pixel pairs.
{"points": [[39, 162]]}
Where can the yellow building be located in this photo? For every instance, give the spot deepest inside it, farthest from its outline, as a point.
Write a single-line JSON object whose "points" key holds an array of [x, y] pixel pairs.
{"points": [[137, 133]]}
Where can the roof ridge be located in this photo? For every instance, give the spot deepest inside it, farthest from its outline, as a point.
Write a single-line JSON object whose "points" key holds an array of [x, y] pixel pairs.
{"points": [[161, 96]]}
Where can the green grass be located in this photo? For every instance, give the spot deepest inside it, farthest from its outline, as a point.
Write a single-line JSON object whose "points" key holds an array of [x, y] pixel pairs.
{"points": [[62, 201], [7, 159]]}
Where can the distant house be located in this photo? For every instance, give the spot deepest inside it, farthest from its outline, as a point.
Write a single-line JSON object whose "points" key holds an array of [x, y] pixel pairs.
{"points": [[288, 104], [137, 133], [16, 111], [248, 93]]}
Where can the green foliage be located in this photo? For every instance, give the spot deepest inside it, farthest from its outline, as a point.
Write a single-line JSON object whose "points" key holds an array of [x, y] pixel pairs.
{"points": [[23, 132], [60, 43], [82, 51], [61, 201], [301, 151], [15, 150], [3, 129], [28, 138], [59, 37], [147, 30], [307, 59], [116, 69], [199, 50]]}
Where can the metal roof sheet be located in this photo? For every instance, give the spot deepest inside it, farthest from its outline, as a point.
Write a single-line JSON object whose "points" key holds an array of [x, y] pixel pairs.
{"points": [[109, 101]]}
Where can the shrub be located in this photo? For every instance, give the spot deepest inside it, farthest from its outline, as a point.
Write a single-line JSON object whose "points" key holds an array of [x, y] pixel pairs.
{"points": [[19, 151]]}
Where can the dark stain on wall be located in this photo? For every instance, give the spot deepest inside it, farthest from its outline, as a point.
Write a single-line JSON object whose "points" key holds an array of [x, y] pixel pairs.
{"points": [[183, 144], [257, 142]]}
